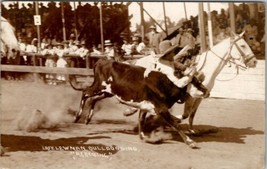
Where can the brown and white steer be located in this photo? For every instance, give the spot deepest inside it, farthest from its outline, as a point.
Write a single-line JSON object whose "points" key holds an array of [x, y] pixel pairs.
{"points": [[150, 93]]}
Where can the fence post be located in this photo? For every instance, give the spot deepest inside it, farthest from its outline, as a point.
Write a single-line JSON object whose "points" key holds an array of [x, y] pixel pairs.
{"points": [[35, 75], [87, 61]]}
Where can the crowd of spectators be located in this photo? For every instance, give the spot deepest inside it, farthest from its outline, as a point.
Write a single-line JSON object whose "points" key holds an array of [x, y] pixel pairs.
{"points": [[73, 53], [253, 27], [188, 32], [54, 53], [55, 50]]}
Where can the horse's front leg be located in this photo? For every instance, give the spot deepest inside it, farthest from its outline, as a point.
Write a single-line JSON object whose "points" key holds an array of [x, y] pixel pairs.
{"points": [[192, 115], [189, 102]]}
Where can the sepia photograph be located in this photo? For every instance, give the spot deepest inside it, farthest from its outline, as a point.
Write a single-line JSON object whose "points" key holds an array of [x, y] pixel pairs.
{"points": [[132, 85]]}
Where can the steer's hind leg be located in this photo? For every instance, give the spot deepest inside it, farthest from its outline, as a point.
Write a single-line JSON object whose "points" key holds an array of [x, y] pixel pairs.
{"points": [[82, 103], [92, 104], [171, 120]]}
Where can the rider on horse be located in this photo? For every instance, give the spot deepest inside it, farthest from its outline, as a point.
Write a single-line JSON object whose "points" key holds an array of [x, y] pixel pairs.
{"points": [[182, 59]]}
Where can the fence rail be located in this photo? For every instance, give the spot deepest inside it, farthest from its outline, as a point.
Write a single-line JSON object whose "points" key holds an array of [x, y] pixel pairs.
{"points": [[41, 69]]}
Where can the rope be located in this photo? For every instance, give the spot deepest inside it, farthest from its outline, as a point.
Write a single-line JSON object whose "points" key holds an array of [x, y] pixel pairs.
{"points": [[237, 72]]}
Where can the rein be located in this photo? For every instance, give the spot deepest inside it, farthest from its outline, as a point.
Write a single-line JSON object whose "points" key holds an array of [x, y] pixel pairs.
{"points": [[230, 61], [228, 53]]}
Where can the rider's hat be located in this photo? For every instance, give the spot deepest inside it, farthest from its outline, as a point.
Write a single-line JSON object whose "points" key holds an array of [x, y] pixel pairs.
{"points": [[170, 53]]}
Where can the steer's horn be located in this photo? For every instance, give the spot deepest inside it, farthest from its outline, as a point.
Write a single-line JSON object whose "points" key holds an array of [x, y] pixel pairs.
{"points": [[241, 34]]}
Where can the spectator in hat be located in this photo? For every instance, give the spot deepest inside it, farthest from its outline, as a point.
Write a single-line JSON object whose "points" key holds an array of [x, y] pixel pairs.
{"points": [[251, 34], [71, 39], [138, 46], [50, 61], [73, 47], [109, 50], [66, 47], [126, 47], [154, 39], [180, 38], [61, 62], [32, 48], [82, 51], [59, 49], [95, 51]]}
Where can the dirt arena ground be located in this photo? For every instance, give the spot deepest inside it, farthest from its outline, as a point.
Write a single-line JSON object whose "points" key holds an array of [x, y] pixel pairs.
{"points": [[109, 141]]}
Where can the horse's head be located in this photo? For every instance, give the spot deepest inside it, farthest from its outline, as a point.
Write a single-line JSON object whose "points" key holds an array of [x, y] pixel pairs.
{"points": [[241, 52]]}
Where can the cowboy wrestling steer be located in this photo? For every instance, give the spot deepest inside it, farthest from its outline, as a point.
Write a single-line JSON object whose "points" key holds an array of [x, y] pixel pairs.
{"points": [[152, 93]]}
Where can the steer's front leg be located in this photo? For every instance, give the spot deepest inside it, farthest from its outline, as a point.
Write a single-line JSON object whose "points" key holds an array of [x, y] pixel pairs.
{"points": [[141, 122], [171, 120]]}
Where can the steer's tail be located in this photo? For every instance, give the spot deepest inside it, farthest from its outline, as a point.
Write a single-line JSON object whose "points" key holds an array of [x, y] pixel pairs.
{"points": [[76, 85]]}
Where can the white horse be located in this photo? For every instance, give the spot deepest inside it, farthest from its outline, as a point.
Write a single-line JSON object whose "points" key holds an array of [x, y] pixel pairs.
{"points": [[9, 43], [231, 50]]}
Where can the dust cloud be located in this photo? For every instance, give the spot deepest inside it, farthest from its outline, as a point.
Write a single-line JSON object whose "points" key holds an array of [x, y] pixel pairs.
{"points": [[52, 110]]}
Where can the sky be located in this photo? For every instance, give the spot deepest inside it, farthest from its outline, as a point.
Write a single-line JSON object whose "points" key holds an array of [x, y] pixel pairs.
{"points": [[174, 10]]}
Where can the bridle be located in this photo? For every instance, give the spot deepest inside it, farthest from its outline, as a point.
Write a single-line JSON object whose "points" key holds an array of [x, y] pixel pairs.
{"points": [[232, 59]]}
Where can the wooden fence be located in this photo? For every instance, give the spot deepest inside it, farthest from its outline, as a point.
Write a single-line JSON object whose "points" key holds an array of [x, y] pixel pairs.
{"points": [[42, 69], [248, 84], [37, 59]]}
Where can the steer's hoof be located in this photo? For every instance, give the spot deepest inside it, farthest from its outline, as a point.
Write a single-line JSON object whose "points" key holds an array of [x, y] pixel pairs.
{"points": [[180, 117], [193, 145], [87, 121], [142, 135], [76, 119]]}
